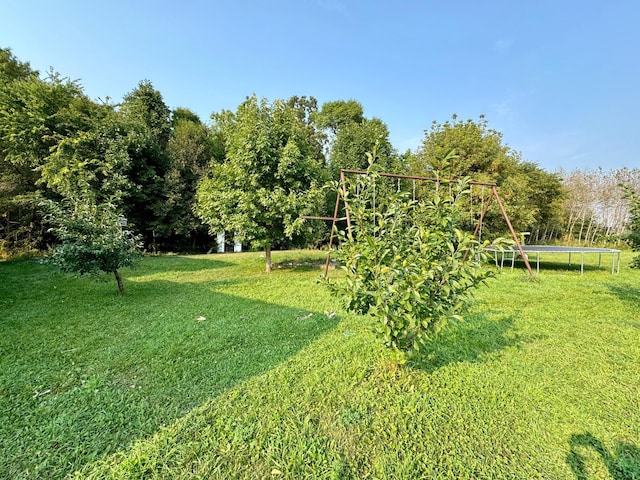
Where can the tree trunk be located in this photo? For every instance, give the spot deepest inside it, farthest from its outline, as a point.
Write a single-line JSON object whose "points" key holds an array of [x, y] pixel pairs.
{"points": [[119, 280], [267, 254]]}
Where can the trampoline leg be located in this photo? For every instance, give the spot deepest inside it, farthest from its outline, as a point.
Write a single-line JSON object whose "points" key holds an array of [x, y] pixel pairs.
{"points": [[538, 263], [569, 258], [599, 260], [581, 263]]}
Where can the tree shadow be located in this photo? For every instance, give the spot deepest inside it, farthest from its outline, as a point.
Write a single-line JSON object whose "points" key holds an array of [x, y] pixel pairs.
{"points": [[108, 370], [302, 264], [472, 341], [629, 294], [555, 266], [177, 263], [623, 463]]}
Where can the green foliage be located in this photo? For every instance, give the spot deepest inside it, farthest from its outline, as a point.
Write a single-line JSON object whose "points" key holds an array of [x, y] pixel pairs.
{"points": [[633, 233], [92, 239], [11, 68], [35, 116], [91, 162], [532, 197], [353, 141], [338, 114], [147, 122], [189, 152], [408, 263], [351, 136]]}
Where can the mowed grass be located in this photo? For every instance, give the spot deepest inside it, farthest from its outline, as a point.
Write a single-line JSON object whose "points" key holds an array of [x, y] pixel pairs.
{"points": [[210, 368]]}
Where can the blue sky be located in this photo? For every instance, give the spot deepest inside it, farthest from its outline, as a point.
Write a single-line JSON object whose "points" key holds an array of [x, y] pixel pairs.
{"points": [[560, 79]]}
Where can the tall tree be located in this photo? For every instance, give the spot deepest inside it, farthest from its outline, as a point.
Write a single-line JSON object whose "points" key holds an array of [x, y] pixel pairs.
{"points": [[13, 69], [526, 189], [189, 152], [91, 163], [35, 116], [351, 135], [595, 210], [148, 122], [338, 114], [268, 178]]}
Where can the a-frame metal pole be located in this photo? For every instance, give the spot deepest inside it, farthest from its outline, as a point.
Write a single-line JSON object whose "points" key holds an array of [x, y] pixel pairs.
{"points": [[333, 227], [494, 192], [346, 204], [482, 215]]}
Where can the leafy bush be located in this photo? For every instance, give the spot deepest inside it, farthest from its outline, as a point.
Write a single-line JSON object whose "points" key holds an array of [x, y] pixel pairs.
{"points": [[407, 263], [92, 239]]}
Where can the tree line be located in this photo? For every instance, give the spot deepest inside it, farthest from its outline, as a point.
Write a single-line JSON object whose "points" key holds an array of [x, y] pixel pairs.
{"points": [[254, 171]]}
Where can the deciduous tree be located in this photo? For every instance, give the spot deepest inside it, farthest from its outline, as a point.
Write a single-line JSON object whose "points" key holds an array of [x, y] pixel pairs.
{"points": [[92, 239], [148, 126], [408, 263], [531, 195], [189, 153], [268, 178]]}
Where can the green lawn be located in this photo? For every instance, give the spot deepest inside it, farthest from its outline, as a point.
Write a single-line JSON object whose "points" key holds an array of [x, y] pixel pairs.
{"points": [[210, 368]]}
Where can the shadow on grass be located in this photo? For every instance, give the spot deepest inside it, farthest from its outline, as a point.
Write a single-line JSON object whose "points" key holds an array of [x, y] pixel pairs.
{"points": [[629, 294], [303, 264], [104, 372], [623, 463], [469, 341], [546, 265], [626, 292], [177, 263]]}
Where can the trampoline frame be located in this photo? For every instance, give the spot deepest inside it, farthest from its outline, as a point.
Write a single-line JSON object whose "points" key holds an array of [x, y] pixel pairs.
{"points": [[512, 253]]}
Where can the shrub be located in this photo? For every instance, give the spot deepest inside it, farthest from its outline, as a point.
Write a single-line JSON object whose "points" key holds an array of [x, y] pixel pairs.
{"points": [[407, 263]]}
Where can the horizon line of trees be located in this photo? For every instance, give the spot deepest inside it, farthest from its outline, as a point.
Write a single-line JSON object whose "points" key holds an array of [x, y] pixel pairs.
{"points": [[254, 171]]}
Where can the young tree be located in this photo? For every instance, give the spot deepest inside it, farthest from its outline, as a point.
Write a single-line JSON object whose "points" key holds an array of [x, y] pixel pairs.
{"points": [[408, 263], [268, 178], [93, 239]]}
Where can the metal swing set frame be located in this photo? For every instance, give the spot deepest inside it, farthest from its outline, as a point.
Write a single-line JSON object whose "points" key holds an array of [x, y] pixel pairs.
{"points": [[342, 195]]}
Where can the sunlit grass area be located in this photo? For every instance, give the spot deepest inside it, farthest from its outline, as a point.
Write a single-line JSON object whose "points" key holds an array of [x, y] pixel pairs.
{"points": [[210, 368]]}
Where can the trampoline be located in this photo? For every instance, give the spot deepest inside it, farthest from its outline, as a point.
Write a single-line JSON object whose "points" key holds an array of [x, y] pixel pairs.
{"points": [[510, 254]]}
